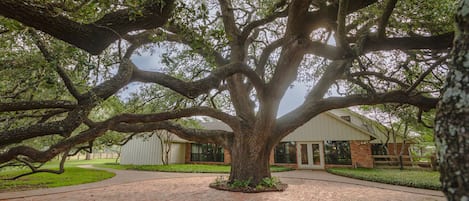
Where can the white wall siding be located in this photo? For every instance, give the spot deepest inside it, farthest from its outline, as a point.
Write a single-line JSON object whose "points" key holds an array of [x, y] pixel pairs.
{"points": [[140, 151], [353, 119], [178, 152], [326, 127]]}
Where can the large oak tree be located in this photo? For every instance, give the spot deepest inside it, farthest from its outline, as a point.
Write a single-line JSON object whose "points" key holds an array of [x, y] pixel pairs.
{"points": [[245, 54]]}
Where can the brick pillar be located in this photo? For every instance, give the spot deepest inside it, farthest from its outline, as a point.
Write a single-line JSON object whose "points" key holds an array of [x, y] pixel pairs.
{"points": [[188, 153], [227, 156], [361, 154]]}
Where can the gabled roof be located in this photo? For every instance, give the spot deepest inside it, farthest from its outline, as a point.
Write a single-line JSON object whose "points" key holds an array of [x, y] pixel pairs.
{"points": [[352, 125], [371, 126]]}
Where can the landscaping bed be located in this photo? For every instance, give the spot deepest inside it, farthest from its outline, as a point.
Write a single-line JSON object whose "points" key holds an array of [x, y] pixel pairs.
{"points": [[411, 178], [271, 184]]}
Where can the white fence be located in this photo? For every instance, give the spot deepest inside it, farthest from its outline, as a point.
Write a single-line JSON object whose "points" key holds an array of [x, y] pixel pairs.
{"points": [[100, 155]]}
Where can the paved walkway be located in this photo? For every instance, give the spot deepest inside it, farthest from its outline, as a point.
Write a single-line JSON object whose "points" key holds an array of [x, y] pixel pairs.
{"points": [[303, 185]]}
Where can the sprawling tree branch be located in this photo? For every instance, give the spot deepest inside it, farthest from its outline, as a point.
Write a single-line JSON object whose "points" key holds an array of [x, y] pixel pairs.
{"points": [[229, 21], [220, 137], [35, 105], [255, 24], [384, 19], [260, 68], [195, 88], [426, 73], [380, 76], [335, 70], [43, 156], [98, 129], [341, 32], [52, 60], [63, 127], [438, 42], [310, 108], [196, 42], [75, 117], [35, 169], [187, 112], [93, 37]]}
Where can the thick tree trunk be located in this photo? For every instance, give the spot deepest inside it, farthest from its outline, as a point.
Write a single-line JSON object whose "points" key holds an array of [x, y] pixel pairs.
{"points": [[452, 119], [250, 160]]}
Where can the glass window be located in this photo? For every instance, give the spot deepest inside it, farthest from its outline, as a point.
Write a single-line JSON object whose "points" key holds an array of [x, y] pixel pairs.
{"points": [[207, 153], [378, 149], [316, 156], [338, 152], [285, 152]]}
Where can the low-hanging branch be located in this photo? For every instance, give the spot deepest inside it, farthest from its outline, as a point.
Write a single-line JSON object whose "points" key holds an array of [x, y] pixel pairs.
{"points": [[92, 37], [195, 88], [36, 105], [52, 61], [99, 129], [258, 23], [384, 19], [63, 128], [371, 44], [311, 108], [175, 114], [220, 137], [77, 114], [381, 76], [35, 169]]}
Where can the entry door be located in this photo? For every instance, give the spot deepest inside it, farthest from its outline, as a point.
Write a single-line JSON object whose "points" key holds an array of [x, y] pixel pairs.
{"points": [[310, 155]]}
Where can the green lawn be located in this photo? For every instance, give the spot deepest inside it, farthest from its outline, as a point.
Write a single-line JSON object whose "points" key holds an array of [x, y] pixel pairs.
{"points": [[194, 168], [413, 178], [73, 163], [71, 176]]}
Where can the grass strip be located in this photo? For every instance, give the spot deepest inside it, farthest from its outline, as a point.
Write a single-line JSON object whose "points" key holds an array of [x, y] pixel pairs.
{"points": [[411, 178]]}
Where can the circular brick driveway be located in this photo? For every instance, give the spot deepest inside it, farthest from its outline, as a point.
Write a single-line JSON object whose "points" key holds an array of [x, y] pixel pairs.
{"points": [[303, 185]]}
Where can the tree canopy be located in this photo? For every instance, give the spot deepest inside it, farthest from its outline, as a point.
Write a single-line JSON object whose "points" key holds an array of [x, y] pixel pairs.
{"points": [[230, 60]]}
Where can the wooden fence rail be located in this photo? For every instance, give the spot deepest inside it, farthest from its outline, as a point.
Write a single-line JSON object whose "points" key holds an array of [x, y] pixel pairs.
{"points": [[395, 161], [100, 155]]}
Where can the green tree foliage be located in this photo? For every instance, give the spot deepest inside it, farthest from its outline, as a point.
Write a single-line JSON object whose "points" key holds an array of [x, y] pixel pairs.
{"points": [[67, 65]]}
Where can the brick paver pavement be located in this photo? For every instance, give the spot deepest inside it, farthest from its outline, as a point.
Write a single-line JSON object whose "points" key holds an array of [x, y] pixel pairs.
{"points": [[303, 185]]}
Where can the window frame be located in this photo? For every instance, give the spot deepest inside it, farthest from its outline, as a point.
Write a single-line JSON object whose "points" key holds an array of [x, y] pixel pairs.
{"points": [[205, 153], [339, 158], [289, 152]]}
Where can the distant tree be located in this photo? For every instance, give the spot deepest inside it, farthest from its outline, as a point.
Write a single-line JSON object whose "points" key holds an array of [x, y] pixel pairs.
{"points": [[232, 60], [166, 142], [395, 122]]}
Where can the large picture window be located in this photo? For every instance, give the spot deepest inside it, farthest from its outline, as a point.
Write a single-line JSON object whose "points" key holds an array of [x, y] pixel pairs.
{"points": [[207, 153], [338, 152], [285, 152]]}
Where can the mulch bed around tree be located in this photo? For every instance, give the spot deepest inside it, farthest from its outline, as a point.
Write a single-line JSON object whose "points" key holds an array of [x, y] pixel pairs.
{"points": [[224, 186]]}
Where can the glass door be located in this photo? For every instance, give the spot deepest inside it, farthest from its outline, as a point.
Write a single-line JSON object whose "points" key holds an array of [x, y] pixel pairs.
{"points": [[310, 155]]}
